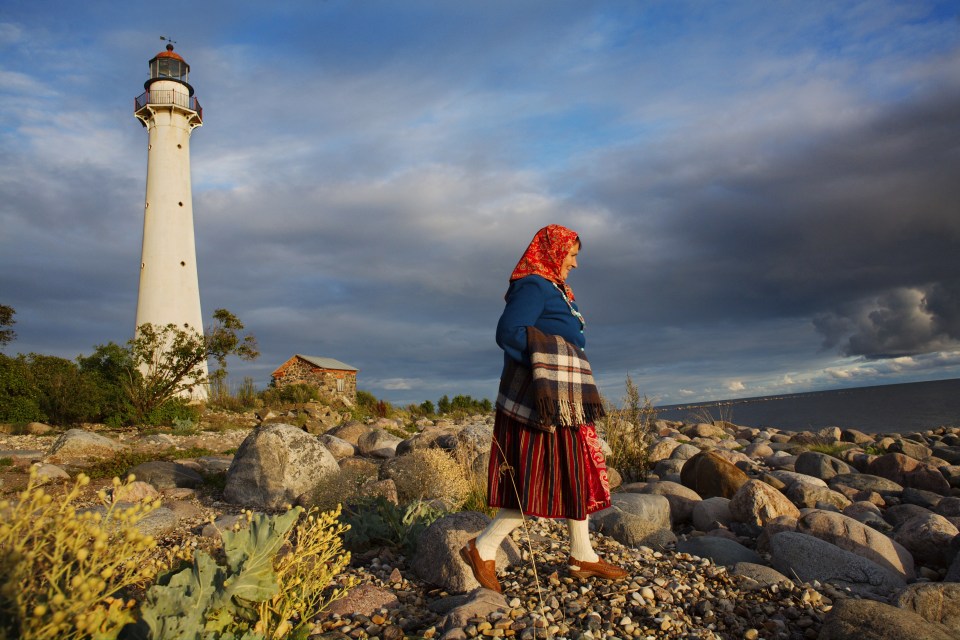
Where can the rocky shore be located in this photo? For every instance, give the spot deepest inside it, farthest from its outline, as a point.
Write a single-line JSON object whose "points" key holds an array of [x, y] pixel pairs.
{"points": [[736, 532]]}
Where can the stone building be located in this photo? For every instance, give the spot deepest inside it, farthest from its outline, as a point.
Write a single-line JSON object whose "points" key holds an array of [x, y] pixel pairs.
{"points": [[332, 377]]}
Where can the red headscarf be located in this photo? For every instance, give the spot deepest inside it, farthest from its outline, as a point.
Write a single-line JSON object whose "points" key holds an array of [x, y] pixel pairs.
{"points": [[545, 255]]}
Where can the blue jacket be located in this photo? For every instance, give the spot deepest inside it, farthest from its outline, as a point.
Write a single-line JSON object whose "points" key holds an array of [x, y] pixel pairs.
{"points": [[535, 301]]}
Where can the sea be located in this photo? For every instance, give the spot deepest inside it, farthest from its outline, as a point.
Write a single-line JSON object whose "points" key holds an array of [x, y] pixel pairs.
{"points": [[890, 408]]}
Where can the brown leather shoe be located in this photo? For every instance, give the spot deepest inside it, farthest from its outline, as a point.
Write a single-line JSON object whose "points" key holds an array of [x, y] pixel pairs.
{"points": [[485, 571], [601, 569]]}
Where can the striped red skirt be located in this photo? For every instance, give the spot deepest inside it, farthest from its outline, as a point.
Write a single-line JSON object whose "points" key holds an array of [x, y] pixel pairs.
{"points": [[550, 475]]}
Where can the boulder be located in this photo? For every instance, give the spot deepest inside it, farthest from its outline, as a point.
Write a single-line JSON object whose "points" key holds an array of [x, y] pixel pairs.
{"points": [[758, 450], [684, 452], [437, 558], [789, 477], [365, 600], [350, 431], [633, 518], [681, 499], [710, 475], [851, 535], [820, 465], [909, 472], [934, 602], [712, 513], [338, 447], [378, 444], [704, 430], [661, 449], [166, 474], [868, 620], [445, 439], [900, 513], [865, 482], [720, 550], [920, 497], [869, 514], [915, 450], [79, 446], [928, 538], [856, 437], [757, 502], [763, 575], [948, 507], [47, 473], [39, 429], [274, 465], [804, 494], [810, 558], [135, 492], [668, 467]]}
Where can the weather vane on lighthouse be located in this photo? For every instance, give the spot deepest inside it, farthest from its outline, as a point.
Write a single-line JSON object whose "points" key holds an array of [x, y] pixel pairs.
{"points": [[169, 110]]}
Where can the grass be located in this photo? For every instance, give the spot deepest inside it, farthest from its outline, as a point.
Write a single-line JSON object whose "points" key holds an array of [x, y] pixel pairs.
{"points": [[629, 432], [6, 462], [835, 450]]}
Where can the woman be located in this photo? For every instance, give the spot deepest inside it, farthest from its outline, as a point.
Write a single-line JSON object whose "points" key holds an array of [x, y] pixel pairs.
{"points": [[545, 459]]}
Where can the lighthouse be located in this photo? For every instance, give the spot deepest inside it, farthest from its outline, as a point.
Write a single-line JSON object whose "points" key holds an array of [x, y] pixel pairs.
{"points": [[169, 289]]}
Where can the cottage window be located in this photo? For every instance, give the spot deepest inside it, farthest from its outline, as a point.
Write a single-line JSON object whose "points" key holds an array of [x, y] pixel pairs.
{"points": [[340, 384]]}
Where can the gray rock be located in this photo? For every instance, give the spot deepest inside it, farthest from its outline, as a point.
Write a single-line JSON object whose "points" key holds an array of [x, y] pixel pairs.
{"points": [[926, 499], [157, 440], [928, 538], [820, 465], [77, 445], [633, 517], [668, 467], [851, 535], [338, 447], [365, 600], [681, 499], [900, 513], [910, 448], [763, 575], [39, 429], [47, 473], [437, 559], [135, 492], [212, 465], [804, 494], [948, 507], [223, 523], [757, 502], [158, 522], [869, 514], [868, 620], [274, 465], [953, 573], [712, 513], [856, 437], [165, 474], [379, 444], [661, 449], [711, 475], [809, 558], [684, 452], [445, 439], [350, 431], [789, 477], [866, 482], [720, 550], [458, 610], [935, 602]]}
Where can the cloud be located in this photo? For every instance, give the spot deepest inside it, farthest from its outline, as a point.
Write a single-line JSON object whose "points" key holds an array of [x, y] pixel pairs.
{"points": [[899, 322]]}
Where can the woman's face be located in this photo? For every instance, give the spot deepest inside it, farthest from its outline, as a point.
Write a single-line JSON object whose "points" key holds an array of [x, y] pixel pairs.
{"points": [[570, 262]]}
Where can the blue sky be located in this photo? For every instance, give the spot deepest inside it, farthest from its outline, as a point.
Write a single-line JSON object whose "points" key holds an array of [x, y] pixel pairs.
{"points": [[767, 193]]}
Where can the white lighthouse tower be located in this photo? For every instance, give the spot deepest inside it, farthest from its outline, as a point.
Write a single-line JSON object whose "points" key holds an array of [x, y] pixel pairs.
{"points": [[169, 290]]}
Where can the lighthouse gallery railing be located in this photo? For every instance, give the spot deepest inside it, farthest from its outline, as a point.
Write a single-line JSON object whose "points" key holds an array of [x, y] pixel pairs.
{"points": [[166, 97]]}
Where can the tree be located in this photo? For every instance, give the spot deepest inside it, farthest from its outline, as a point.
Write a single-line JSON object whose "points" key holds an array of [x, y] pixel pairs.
{"points": [[6, 320], [65, 394], [166, 362], [443, 405]]}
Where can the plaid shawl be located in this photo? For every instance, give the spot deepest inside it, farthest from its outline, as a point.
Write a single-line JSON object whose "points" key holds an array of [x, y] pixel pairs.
{"points": [[557, 390]]}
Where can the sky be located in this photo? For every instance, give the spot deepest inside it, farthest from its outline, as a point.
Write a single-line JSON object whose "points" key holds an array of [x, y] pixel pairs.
{"points": [[768, 193]]}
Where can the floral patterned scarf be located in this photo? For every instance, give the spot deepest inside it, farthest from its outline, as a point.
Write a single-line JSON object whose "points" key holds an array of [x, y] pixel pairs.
{"points": [[545, 255]]}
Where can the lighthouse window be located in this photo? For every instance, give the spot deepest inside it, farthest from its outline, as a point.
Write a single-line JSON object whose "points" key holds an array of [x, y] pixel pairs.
{"points": [[182, 263]]}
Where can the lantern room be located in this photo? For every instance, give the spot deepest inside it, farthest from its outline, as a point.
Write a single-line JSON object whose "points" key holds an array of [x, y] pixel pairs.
{"points": [[168, 65]]}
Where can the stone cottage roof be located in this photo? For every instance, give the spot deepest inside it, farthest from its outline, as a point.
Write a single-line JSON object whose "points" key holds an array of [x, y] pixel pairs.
{"points": [[323, 363]]}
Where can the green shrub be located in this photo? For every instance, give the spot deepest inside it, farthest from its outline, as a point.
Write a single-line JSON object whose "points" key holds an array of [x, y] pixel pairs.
{"points": [[377, 522], [261, 590], [171, 411], [19, 397]]}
